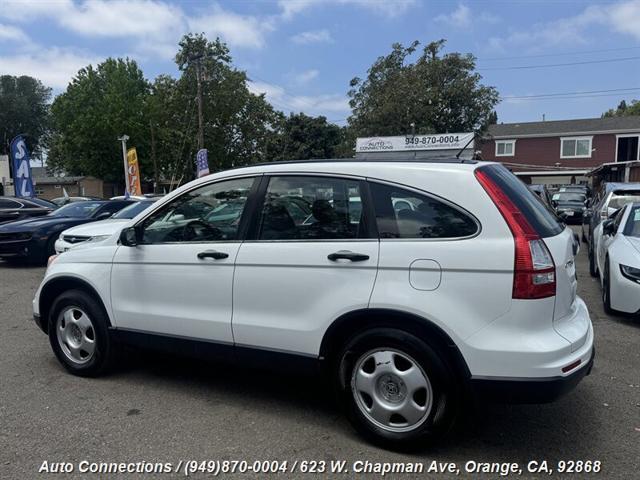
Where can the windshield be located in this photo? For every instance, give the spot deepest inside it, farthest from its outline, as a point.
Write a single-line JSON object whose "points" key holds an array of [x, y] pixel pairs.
{"points": [[632, 228], [620, 200], [77, 209], [132, 210], [569, 197]]}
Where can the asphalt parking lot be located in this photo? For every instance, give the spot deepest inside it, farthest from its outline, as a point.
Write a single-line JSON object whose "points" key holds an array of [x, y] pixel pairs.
{"points": [[166, 409]]}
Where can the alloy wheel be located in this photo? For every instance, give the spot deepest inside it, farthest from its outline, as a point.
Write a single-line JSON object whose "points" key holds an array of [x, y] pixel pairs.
{"points": [[76, 335], [392, 390]]}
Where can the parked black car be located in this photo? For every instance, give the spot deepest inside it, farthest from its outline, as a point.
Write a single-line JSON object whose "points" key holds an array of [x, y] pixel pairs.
{"points": [[570, 205], [15, 208], [33, 239]]}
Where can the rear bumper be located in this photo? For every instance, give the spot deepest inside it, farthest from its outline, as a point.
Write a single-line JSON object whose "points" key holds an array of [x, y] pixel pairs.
{"points": [[530, 390]]}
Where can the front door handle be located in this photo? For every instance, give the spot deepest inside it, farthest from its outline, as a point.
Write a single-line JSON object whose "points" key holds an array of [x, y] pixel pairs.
{"points": [[212, 254], [347, 255]]}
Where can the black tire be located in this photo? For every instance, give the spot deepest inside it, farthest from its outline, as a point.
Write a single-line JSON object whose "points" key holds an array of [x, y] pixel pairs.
{"points": [[445, 388], [593, 268], [104, 348], [606, 289]]}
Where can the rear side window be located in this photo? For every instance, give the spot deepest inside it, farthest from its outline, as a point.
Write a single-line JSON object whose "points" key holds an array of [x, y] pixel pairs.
{"points": [[312, 208], [402, 213], [543, 221]]}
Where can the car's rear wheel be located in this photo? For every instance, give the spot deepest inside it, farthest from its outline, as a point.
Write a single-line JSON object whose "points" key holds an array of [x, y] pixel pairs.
{"points": [[79, 336], [397, 389]]}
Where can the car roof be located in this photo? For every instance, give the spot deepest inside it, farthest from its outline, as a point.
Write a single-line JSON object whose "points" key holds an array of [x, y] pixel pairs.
{"points": [[612, 186]]}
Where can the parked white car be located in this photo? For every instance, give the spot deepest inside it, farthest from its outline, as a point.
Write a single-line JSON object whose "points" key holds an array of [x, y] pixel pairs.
{"points": [[618, 258], [406, 310], [97, 231]]}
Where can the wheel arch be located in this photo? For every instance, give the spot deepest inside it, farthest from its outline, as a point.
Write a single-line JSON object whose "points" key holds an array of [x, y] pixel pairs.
{"points": [[345, 326], [56, 286]]}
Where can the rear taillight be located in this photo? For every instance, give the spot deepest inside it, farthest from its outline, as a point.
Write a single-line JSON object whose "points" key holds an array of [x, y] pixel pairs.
{"points": [[534, 272]]}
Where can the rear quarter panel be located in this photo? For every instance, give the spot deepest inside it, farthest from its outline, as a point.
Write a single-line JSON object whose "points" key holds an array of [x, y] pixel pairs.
{"points": [[476, 273]]}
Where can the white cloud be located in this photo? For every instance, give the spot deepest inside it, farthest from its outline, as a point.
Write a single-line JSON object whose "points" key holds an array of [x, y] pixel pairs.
{"points": [[324, 104], [53, 66], [237, 30], [313, 36], [155, 26], [622, 17], [306, 76], [390, 8], [12, 34], [459, 18], [625, 18]]}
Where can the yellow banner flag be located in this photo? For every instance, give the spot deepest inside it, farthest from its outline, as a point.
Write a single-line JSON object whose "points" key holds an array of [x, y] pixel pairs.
{"points": [[133, 173]]}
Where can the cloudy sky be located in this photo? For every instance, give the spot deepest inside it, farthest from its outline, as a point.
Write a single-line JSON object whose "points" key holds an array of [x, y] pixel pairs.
{"points": [[303, 53]]}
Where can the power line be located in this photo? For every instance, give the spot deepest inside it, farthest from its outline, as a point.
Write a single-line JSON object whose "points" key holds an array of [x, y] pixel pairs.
{"points": [[564, 54], [521, 97], [551, 65]]}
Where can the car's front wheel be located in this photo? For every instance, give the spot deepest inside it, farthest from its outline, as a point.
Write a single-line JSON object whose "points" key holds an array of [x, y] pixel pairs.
{"points": [[79, 335], [397, 389]]}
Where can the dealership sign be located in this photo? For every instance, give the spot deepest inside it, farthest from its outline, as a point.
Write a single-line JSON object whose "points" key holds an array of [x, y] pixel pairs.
{"points": [[444, 141]]}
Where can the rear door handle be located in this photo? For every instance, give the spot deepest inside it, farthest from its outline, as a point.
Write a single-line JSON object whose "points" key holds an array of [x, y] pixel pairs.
{"points": [[347, 255], [212, 254]]}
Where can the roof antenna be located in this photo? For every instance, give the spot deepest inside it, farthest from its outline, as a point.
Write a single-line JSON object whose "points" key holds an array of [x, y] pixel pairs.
{"points": [[466, 145]]}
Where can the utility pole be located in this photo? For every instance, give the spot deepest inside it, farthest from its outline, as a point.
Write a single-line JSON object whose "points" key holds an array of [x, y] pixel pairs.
{"points": [[200, 119], [156, 174], [124, 139]]}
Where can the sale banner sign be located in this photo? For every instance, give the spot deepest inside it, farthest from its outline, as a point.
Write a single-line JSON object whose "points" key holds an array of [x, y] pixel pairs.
{"points": [[133, 173]]}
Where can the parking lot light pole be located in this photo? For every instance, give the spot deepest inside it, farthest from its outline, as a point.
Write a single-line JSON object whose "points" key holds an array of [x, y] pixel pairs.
{"points": [[124, 139]]}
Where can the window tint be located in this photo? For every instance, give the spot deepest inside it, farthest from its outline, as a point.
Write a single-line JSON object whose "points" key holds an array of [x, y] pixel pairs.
{"points": [[311, 208], [539, 217], [632, 228], [404, 214], [6, 203], [618, 219], [206, 214]]}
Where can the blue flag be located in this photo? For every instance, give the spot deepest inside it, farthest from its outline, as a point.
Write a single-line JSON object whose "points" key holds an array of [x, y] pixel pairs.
{"points": [[202, 164], [22, 181]]}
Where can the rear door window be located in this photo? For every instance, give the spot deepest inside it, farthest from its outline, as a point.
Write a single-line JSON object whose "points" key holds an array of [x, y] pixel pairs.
{"points": [[402, 213], [312, 208], [536, 214]]}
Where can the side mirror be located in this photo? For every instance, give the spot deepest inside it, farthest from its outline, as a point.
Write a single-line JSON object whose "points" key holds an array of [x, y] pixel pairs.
{"points": [[129, 237], [608, 227], [563, 216]]}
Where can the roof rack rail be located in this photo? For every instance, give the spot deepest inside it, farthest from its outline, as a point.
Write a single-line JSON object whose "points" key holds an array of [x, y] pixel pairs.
{"points": [[447, 159]]}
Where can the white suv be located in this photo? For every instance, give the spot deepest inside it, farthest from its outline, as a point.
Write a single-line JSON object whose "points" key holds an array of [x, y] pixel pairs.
{"points": [[413, 284]]}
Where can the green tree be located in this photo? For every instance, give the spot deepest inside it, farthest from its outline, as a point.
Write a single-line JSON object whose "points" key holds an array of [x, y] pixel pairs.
{"points": [[436, 93], [624, 109], [24, 108], [238, 125], [99, 105], [302, 137]]}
